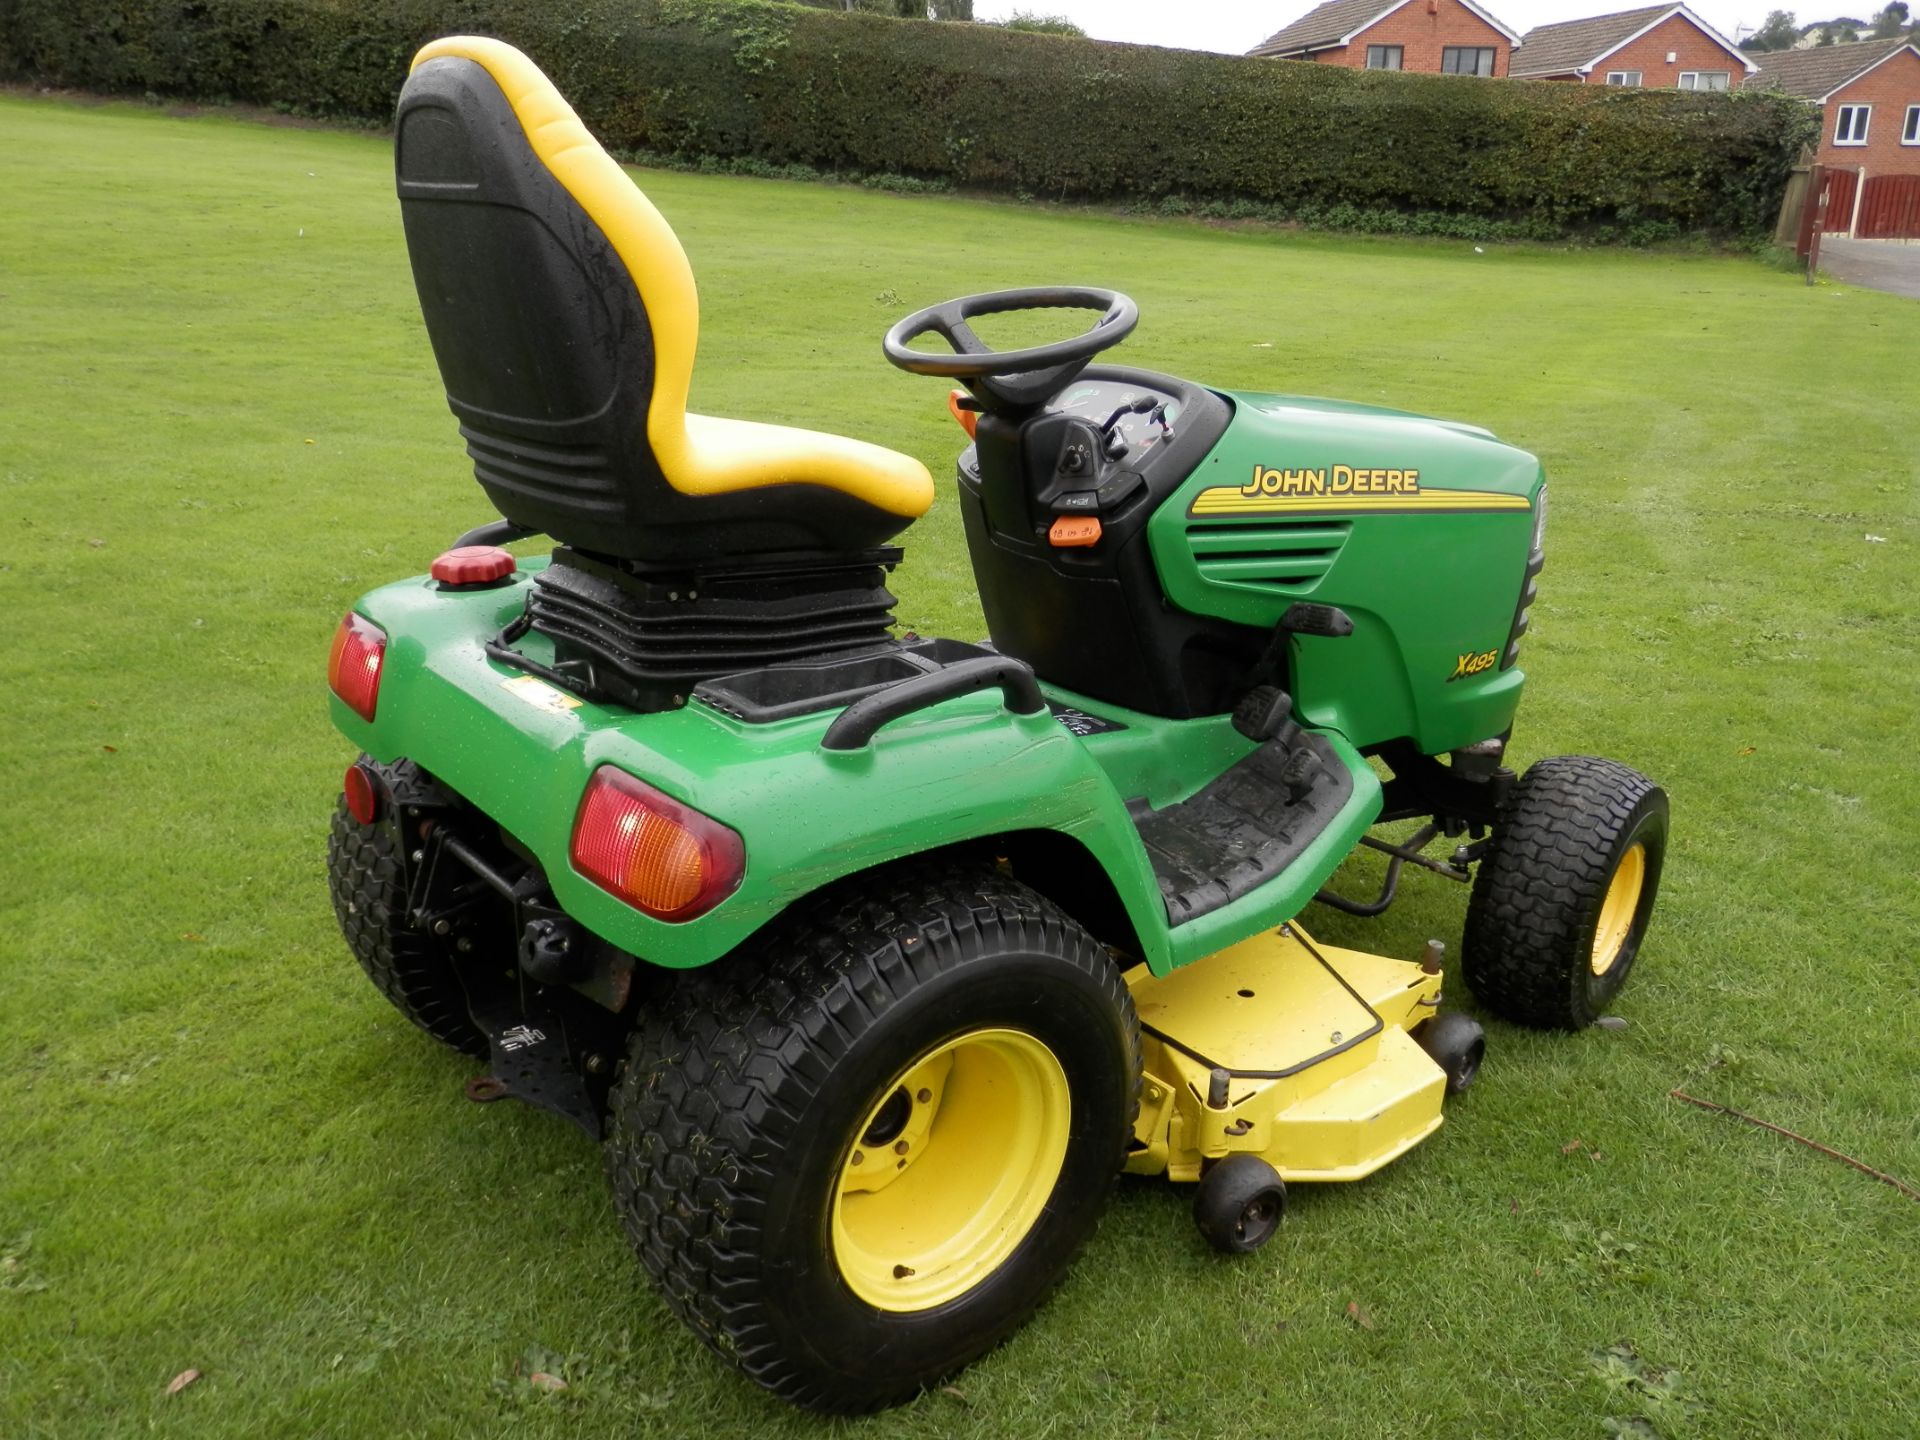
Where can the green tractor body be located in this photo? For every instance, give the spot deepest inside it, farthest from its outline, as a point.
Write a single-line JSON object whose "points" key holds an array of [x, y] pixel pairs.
{"points": [[968, 769], [1421, 530], [873, 958]]}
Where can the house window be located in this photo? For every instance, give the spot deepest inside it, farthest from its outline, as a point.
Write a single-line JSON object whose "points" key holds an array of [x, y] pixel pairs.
{"points": [[1851, 127], [1383, 57], [1466, 60], [1623, 77], [1911, 134], [1703, 79]]}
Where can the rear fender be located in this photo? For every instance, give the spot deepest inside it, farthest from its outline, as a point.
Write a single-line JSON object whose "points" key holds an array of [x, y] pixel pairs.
{"points": [[522, 752]]}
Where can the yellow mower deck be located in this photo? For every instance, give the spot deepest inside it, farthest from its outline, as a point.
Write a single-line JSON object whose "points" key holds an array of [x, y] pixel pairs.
{"points": [[1296, 1052]]}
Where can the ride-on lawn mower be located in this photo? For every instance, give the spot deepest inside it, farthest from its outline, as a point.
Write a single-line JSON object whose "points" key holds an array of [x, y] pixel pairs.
{"points": [[872, 957]]}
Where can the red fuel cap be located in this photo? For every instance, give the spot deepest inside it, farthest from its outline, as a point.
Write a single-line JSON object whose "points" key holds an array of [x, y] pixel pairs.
{"points": [[473, 565]]}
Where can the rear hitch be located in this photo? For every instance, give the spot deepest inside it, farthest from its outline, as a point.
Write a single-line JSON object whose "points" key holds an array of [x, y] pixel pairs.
{"points": [[543, 1054], [551, 1018], [551, 951]]}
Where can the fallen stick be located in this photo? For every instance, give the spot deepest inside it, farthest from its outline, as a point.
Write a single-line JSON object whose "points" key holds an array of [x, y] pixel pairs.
{"points": [[1900, 1185]]}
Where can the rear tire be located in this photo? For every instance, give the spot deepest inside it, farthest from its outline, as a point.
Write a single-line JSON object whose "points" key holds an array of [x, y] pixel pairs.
{"points": [[1562, 900], [367, 879], [947, 1032]]}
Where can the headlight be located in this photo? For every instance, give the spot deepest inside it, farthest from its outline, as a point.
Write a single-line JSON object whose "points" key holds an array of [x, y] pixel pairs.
{"points": [[1529, 583]]}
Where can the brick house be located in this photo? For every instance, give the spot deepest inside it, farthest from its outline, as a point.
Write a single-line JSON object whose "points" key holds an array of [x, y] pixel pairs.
{"points": [[1437, 37], [1870, 96], [1664, 47]]}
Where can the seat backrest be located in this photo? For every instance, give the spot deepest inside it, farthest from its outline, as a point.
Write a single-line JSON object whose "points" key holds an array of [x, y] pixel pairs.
{"points": [[561, 307]]}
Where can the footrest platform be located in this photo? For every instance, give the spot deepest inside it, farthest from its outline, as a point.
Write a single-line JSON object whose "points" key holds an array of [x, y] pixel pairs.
{"points": [[1245, 826]]}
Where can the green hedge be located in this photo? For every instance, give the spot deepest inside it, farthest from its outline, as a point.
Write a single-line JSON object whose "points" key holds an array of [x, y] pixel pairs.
{"points": [[984, 107]]}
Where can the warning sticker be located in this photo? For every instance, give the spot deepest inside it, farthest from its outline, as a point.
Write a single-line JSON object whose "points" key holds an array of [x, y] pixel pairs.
{"points": [[521, 1037], [1079, 722], [541, 695]]}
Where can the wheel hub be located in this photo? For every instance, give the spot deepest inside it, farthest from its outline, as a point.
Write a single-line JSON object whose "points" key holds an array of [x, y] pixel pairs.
{"points": [[950, 1169], [1617, 910]]}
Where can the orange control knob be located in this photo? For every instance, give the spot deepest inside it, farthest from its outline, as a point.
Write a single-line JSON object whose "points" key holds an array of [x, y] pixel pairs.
{"points": [[1071, 531], [969, 419]]}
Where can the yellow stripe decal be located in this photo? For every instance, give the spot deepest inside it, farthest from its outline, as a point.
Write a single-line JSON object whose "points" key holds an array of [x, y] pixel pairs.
{"points": [[1228, 500]]}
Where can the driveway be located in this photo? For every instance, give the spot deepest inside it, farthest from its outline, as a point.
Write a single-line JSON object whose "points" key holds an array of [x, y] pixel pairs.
{"points": [[1889, 265]]}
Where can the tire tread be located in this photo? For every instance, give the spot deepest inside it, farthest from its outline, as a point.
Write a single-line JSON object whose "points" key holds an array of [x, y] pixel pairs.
{"points": [[368, 885], [1527, 927], [722, 1067]]}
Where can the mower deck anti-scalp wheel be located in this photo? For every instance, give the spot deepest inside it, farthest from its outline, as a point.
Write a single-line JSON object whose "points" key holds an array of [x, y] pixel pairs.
{"points": [[1239, 1203], [1457, 1044], [860, 1153], [367, 880], [1562, 899]]}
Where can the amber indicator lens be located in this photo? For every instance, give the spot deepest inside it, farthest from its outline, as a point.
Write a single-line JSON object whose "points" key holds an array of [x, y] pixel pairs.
{"points": [[661, 857], [353, 669]]}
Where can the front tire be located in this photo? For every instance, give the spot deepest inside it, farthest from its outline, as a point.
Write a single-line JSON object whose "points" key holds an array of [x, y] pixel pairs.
{"points": [[1562, 900], [861, 1154]]}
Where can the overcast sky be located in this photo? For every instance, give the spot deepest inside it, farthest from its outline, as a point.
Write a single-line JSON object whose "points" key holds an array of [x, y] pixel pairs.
{"points": [[1238, 25]]}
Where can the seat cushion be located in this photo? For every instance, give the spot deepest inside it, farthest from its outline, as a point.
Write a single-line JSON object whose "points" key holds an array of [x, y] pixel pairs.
{"points": [[723, 456], [565, 318]]}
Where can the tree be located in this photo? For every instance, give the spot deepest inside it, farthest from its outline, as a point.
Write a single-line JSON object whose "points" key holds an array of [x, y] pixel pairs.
{"points": [[1777, 32], [1842, 30], [1891, 21], [1042, 24], [902, 9]]}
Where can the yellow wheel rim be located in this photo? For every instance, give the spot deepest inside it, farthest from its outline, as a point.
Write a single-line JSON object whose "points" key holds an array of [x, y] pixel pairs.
{"points": [[950, 1169], [1617, 910]]}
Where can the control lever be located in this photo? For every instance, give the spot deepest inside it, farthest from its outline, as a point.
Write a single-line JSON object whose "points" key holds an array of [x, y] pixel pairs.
{"points": [[1265, 713], [1303, 617], [1299, 773], [1112, 443]]}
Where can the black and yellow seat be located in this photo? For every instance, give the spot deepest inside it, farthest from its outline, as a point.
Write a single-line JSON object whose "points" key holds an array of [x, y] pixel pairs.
{"points": [[564, 317]]}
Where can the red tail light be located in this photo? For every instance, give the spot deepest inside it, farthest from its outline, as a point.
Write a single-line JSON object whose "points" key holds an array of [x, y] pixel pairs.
{"points": [[353, 669], [661, 857]]}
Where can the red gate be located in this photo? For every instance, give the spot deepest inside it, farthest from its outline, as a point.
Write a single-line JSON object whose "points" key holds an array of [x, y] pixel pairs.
{"points": [[1889, 208], [1840, 187]]}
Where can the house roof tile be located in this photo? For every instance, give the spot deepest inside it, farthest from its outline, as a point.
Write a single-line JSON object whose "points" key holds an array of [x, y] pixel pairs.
{"points": [[1815, 74], [1558, 49], [1575, 45], [1321, 26], [1337, 21]]}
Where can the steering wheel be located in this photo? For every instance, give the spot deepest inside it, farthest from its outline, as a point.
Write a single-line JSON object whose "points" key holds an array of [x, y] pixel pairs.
{"points": [[1012, 380]]}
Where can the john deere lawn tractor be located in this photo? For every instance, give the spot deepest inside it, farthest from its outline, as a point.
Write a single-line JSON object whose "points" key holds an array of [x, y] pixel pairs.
{"points": [[873, 958]]}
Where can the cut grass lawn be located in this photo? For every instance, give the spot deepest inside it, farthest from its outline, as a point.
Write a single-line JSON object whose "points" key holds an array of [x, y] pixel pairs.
{"points": [[220, 422]]}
